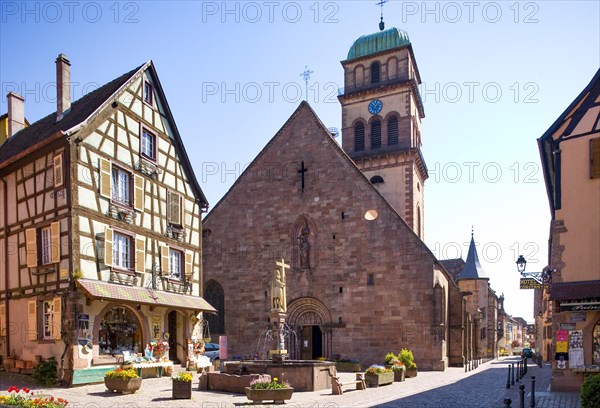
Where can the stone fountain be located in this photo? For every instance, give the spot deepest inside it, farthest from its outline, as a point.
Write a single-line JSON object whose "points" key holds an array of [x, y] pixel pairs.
{"points": [[303, 375]]}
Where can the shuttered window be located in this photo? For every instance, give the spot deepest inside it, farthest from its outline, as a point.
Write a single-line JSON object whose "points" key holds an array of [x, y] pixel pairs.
{"points": [[174, 208], [595, 158], [31, 320], [376, 134], [47, 240], [58, 170], [359, 137], [140, 254], [375, 72], [121, 186], [392, 128]]}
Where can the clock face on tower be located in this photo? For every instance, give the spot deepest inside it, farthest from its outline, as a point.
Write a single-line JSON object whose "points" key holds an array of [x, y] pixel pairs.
{"points": [[375, 106]]}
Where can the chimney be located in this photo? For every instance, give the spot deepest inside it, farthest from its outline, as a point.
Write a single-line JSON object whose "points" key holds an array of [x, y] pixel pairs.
{"points": [[63, 86], [16, 113]]}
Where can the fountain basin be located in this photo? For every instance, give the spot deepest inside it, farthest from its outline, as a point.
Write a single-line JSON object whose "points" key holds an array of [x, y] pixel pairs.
{"points": [[303, 375]]}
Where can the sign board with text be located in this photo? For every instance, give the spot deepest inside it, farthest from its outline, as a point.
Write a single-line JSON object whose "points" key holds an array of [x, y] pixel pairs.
{"points": [[530, 283]]}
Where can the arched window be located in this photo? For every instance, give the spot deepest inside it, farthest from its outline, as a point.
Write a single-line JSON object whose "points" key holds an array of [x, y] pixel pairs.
{"points": [[359, 137], [392, 130], [376, 180], [376, 134], [375, 72], [213, 294]]}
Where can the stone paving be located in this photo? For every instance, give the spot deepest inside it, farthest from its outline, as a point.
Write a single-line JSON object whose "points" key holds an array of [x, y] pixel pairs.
{"points": [[480, 388]]}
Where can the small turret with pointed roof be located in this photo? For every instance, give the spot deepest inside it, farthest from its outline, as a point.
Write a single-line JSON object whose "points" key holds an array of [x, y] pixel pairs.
{"points": [[472, 269]]}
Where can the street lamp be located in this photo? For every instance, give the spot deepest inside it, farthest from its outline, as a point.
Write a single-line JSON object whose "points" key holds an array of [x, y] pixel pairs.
{"points": [[543, 277]]}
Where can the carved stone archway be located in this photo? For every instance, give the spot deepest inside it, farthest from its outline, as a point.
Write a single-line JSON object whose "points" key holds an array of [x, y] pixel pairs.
{"points": [[308, 311]]}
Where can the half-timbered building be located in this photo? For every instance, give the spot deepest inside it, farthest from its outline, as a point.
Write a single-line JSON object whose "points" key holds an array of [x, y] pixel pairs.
{"points": [[100, 229]]}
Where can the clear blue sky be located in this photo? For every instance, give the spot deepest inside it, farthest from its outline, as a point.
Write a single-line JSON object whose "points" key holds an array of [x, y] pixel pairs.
{"points": [[495, 77]]}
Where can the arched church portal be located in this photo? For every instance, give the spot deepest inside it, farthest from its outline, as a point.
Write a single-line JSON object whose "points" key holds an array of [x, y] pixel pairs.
{"points": [[311, 321]]}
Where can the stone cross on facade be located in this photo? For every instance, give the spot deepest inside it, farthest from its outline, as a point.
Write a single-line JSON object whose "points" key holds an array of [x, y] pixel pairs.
{"points": [[301, 172]]}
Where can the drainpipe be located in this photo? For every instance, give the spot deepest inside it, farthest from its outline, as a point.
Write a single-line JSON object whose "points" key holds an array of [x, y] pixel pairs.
{"points": [[6, 303]]}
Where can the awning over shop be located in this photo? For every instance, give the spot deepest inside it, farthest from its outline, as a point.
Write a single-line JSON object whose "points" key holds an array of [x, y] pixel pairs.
{"points": [[136, 294], [575, 290]]}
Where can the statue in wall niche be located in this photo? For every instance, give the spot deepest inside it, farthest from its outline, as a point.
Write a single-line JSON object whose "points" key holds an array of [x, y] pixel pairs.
{"points": [[304, 247], [278, 298]]}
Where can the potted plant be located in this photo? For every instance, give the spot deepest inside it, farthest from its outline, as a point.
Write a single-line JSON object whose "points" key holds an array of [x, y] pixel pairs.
{"points": [[377, 375], [265, 389], [389, 359], [182, 386], [347, 365], [407, 358], [399, 370], [122, 380]]}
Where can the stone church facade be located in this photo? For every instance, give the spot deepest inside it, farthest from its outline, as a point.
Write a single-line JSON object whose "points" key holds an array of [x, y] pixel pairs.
{"points": [[348, 219]]}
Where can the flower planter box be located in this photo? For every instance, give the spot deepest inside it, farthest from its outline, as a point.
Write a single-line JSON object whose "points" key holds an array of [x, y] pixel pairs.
{"points": [[375, 380], [411, 372], [124, 386], [347, 367], [399, 376], [278, 396], [182, 390]]}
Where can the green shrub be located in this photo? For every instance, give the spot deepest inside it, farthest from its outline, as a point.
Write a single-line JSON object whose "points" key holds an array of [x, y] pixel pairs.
{"points": [[406, 356], [44, 373], [590, 392], [390, 358]]}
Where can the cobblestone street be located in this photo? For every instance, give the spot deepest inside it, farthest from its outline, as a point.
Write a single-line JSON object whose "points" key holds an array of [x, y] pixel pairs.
{"points": [[479, 388]]}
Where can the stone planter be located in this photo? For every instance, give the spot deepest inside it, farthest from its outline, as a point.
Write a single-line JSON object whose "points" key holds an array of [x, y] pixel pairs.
{"points": [[411, 372], [375, 380], [278, 395], [182, 390], [399, 376], [124, 386], [347, 367]]}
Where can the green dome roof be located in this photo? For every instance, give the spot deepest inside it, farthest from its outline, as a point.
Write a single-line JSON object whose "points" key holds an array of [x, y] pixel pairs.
{"points": [[381, 41]]}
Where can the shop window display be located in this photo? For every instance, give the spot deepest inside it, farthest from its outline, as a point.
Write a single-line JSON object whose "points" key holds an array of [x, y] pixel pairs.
{"points": [[120, 331]]}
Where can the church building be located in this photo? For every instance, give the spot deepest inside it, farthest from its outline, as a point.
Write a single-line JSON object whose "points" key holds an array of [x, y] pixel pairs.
{"points": [[349, 221]]}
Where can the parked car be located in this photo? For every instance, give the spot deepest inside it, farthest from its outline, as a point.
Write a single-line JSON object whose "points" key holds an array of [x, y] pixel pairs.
{"points": [[211, 350], [527, 352]]}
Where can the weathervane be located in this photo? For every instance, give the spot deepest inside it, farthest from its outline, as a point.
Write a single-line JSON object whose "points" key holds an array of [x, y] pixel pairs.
{"points": [[306, 77], [381, 23]]}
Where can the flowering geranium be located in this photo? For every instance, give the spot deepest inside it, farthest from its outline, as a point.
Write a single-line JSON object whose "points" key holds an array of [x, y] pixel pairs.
{"points": [[183, 377], [24, 397], [121, 373], [264, 382]]}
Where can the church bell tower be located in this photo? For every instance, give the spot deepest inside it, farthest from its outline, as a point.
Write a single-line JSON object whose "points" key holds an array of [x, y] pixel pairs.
{"points": [[381, 119]]}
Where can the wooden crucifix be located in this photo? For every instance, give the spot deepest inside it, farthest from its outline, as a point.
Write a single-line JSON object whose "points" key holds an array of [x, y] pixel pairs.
{"points": [[301, 172]]}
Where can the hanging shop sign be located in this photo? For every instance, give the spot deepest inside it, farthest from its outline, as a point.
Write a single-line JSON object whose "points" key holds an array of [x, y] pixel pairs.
{"points": [[530, 283]]}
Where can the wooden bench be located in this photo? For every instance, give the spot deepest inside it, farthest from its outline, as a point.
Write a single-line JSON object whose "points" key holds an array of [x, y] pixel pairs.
{"points": [[337, 386]]}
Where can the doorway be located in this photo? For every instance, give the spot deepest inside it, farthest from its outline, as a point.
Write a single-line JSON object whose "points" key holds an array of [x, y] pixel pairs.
{"points": [[311, 342], [172, 329]]}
